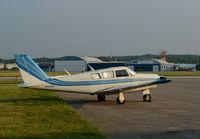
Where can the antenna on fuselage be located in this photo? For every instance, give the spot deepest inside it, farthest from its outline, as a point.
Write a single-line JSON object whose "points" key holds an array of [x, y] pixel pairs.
{"points": [[91, 68], [67, 72]]}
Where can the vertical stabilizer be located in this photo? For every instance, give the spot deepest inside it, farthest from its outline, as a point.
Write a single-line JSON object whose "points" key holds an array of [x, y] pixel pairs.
{"points": [[31, 73]]}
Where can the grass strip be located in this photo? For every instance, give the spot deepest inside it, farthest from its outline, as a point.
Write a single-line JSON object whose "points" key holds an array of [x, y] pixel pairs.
{"points": [[39, 114]]}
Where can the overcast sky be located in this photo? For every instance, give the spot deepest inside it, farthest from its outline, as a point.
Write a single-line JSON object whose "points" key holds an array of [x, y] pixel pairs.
{"points": [[52, 28]]}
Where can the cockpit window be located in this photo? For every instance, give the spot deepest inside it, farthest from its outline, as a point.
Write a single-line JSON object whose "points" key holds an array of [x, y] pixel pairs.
{"points": [[121, 73], [95, 76], [132, 73], [108, 74]]}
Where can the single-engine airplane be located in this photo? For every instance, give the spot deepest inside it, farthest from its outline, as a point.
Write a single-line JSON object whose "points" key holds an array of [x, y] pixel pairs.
{"points": [[115, 80]]}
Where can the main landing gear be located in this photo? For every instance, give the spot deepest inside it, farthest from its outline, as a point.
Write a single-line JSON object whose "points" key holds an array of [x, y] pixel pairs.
{"points": [[101, 97], [121, 99]]}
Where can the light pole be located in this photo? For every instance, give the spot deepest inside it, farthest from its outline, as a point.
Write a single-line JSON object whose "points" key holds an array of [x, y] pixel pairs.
{"points": [[199, 62]]}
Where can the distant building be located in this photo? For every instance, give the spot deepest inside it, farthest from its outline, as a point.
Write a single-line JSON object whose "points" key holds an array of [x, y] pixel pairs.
{"points": [[11, 66], [164, 65], [198, 67], [81, 64], [186, 67], [150, 65], [1, 66], [74, 63]]}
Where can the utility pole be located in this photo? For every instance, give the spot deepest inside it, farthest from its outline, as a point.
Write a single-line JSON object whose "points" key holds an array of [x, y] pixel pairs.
{"points": [[181, 59], [110, 56], [199, 62]]}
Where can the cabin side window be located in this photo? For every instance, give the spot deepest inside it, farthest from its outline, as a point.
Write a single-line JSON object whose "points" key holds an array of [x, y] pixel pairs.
{"points": [[121, 73], [95, 76], [108, 74]]}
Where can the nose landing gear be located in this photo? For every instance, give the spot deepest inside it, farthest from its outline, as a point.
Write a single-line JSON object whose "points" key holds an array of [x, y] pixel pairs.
{"points": [[120, 99], [147, 98]]}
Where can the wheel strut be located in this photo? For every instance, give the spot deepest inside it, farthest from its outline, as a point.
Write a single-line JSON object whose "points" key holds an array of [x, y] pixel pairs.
{"points": [[120, 99]]}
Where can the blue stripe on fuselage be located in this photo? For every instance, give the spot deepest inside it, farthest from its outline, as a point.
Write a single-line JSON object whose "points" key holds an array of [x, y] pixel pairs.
{"points": [[83, 83]]}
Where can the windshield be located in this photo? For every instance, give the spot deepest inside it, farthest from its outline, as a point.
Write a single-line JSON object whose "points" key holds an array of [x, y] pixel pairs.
{"points": [[121, 73], [132, 73]]}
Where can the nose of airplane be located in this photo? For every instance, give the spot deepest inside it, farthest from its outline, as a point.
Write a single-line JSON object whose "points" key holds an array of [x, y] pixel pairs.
{"points": [[164, 79]]}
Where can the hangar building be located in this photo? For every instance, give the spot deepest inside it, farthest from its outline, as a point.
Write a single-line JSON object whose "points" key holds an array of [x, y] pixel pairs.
{"points": [[150, 65], [74, 63]]}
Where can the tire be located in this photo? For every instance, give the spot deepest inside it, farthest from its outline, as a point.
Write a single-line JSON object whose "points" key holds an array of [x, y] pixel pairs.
{"points": [[147, 97], [101, 97], [120, 102]]}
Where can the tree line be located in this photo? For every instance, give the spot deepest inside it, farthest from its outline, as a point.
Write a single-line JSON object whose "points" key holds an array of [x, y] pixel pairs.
{"points": [[189, 59]]}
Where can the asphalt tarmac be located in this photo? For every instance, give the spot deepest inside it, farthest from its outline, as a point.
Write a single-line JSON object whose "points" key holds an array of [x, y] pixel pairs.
{"points": [[174, 112]]}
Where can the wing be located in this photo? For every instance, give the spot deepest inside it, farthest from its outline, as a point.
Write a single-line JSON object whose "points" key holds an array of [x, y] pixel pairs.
{"points": [[130, 88]]}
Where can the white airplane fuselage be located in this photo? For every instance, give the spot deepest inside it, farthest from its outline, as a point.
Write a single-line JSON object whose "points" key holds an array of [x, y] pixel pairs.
{"points": [[82, 83]]}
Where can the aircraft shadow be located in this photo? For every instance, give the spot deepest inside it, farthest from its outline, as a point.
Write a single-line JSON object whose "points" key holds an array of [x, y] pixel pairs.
{"points": [[79, 103], [18, 100], [174, 134]]}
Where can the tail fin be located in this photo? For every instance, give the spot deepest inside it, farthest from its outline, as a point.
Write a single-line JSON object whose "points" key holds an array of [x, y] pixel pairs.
{"points": [[31, 73]]}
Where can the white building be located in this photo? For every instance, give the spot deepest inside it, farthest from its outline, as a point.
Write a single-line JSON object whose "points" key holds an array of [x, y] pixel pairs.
{"points": [[1, 66], [186, 67], [164, 65], [151, 65], [11, 66]]}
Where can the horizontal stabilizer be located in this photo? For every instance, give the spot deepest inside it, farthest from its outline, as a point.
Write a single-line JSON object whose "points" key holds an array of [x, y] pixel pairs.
{"points": [[27, 85]]}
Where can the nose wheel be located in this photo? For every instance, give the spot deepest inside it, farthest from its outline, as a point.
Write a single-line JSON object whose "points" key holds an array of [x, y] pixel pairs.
{"points": [[147, 98], [120, 99]]}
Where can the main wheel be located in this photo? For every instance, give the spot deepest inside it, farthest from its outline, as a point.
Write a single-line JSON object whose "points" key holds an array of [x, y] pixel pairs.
{"points": [[101, 97], [147, 97], [120, 101]]}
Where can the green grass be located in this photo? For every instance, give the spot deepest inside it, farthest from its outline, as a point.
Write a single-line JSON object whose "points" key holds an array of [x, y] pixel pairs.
{"points": [[10, 73], [36, 114], [59, 73]]}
